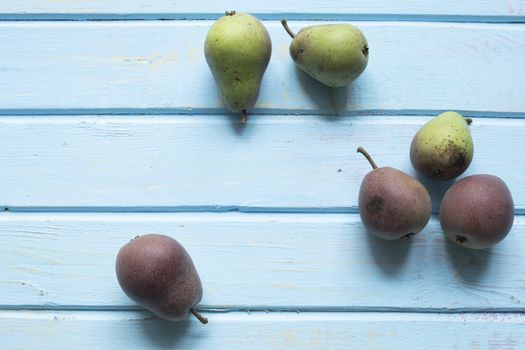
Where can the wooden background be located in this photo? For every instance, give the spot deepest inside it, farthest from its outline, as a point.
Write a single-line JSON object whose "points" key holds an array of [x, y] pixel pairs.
{"points": [[111, 127]]}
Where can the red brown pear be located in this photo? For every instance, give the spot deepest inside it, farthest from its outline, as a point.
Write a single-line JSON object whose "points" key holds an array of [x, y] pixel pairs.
{"points": [[157, 272], [477, 211], [392, 204]]}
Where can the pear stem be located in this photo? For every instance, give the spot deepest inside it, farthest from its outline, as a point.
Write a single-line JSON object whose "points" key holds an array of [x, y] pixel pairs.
{"points": [[367, 156], [229, 13], [288, 30], [244, 116], [468, 120], [199, 317]]}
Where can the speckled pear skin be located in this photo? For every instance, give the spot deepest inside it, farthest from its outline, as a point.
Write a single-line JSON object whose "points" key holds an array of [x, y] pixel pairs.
{"points": [[392, 204], [477, 211], [156, 272], [333, 54], [443, 147], [238, 50]]}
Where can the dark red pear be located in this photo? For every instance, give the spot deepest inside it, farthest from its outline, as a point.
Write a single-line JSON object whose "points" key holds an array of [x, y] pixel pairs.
{"points": [[158, 273], [477, 211], [392, 204]]}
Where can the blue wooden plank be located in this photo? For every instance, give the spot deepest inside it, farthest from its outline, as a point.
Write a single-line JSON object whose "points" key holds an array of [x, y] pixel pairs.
{"points": [[211, 163], [133, 330], [159, 67], [303, 262], [470, 10]]}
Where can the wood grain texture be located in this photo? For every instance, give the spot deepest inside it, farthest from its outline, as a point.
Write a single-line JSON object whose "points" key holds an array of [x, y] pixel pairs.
{"points": [[260, 261], [159, 67], [175, 148], [327, 331], [211, 163], [484, 10]]}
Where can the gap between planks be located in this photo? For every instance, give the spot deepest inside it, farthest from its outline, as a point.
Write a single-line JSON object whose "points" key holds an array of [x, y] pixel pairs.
{"points": [[173, 112], [117, 17], [518, 210], [273, 23], [211, 309]]}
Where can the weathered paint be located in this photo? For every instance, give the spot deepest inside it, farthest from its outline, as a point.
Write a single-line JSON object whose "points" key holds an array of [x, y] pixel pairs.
{"points": [[212, 163], [159, 67], [433, 10], [287, 331], [173, 148], [260, 261]]}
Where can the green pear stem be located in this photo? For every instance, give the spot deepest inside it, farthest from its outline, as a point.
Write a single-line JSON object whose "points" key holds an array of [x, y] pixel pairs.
{"points": [[244, 116], [367, 156], [199, 317], [468, 120], [288, 30], [229, 13]]}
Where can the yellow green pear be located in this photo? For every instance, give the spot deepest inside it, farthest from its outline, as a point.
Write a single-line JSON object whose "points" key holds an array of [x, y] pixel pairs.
{"points": [[333, 54], [238, 50], [443, 147]]}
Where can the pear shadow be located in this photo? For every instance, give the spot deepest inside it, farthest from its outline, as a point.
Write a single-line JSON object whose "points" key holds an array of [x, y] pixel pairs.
{"points": [[470, 265], [327, 99], [237, 125], [390, 256], [436, 188], [165, 334]]}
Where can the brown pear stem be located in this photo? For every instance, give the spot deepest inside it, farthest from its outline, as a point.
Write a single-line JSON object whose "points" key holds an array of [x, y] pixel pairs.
{"points": [[367, 156], [468, 120], [199, 317], [229, 13], [244, 116], [288, 30]]}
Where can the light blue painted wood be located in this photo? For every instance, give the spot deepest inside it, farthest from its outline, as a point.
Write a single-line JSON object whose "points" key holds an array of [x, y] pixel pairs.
{"points": [[211, 163], [304, 262], [260, 261], [484, 10], [327, 331], [159, 67]]}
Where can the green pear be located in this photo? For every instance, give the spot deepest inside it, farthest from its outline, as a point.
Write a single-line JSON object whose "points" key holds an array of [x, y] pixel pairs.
{"points": [[443, 147], [238, 50], [333, 54]]}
